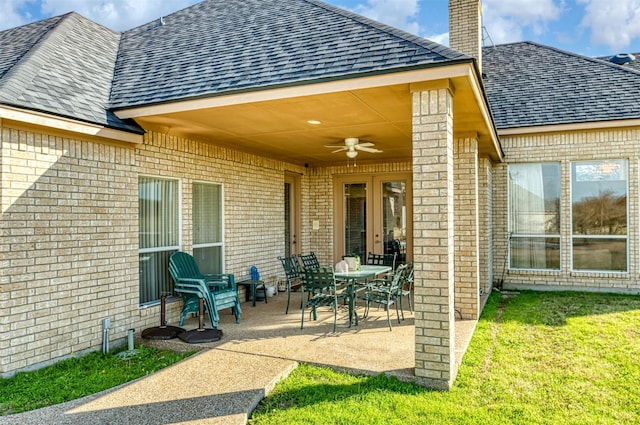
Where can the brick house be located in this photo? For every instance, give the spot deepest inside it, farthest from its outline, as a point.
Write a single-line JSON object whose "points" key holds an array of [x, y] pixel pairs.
{"points": [[207, 131]]}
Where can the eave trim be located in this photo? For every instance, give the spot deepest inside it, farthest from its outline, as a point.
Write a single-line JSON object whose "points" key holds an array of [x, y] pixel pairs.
{"points": [[558, 128], [66, 124], [483, 101]]}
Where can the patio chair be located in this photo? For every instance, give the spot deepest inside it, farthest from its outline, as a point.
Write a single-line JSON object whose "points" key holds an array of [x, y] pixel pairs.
{"points": [[309, 261], [397, 249], [292, 274], [320, 285], [382, 259], [406, 287], [385, 292], [217, 290]]}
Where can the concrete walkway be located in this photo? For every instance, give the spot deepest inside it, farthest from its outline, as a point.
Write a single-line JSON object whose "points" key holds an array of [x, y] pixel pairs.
{"points": [[193, 391], [224, 382]]}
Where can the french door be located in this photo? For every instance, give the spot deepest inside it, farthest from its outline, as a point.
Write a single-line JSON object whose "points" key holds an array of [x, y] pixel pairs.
{"points": [[373, 214], [291, 214]]}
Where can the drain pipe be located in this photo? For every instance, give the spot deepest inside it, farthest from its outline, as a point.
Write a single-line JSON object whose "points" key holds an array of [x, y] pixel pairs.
{"points": [[130, 339], [106, 325]]}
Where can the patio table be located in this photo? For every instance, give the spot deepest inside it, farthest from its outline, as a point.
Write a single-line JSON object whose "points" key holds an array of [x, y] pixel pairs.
{"points": [[352, 277], [253, 286]]}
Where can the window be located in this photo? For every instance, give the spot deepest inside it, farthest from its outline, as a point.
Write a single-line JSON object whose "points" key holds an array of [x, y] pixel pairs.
{"points": [[159, 235], [207, 227], [534, 216], [599, 215]]}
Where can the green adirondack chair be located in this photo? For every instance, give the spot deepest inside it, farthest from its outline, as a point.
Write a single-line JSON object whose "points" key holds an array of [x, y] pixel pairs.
{"points": [[217, 290]]}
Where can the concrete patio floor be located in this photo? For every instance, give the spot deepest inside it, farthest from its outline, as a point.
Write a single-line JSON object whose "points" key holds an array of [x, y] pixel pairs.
{"points": [[226, 380], [369, 348]]}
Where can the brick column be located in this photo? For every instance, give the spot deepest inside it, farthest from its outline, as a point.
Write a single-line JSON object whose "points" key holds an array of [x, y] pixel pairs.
{"points": [[467, 285], [433, 234], [485, 217]]}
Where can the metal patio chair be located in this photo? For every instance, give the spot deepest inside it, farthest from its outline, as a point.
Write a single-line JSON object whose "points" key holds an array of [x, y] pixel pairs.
{"points": [[309, 261], [292, 272], [320, 285], [406, 287], [385, 292]]}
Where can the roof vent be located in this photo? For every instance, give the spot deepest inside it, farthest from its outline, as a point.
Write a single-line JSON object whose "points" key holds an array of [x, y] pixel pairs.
{"points": [[160, 22], [622, 58]]}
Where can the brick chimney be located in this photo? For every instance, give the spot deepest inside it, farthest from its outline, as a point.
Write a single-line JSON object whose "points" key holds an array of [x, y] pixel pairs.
{"points": [[465, 28]]}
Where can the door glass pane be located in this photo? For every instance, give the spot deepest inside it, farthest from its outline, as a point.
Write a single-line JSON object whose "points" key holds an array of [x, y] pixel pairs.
{"points": [[287, 219], [355, 219], [394, 219]]}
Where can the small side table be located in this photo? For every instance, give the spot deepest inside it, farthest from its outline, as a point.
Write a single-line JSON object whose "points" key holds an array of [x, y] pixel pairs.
{"points": [[253, 286]]}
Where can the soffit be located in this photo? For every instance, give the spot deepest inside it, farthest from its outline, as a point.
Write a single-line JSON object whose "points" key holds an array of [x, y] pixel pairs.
{"points": [[279, 128]]}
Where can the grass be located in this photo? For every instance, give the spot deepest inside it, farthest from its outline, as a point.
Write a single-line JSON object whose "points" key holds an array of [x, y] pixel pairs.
{"points": [[78, 377], [535, 358]]}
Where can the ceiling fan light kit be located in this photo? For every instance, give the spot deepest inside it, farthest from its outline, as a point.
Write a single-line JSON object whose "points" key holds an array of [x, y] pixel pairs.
{"points": [[352, 145], [351, 141]]}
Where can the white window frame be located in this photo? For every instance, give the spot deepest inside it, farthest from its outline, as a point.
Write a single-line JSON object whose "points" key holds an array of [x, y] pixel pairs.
{"points": [[163, 248], [625, 237], [220, 244], [510, 232]]}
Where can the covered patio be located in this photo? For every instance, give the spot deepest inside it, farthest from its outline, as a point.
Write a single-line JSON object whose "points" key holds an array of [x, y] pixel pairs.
{"points": [[255, 109], [430, 123], [370, 348]]}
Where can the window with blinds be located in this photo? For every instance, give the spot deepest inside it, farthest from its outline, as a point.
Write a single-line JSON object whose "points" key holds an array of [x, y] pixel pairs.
{"points": [[208, 247], [159, 235]]}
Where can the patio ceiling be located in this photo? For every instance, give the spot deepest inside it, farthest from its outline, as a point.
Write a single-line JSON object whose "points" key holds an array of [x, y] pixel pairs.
{"points": [[276, 124]]}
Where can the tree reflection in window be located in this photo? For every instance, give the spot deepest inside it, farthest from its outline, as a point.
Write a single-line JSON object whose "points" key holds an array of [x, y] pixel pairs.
{"points": [[599, 215]]}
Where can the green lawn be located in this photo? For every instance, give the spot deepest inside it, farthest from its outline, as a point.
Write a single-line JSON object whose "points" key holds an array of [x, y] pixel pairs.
{"points": [[78, 377], [535, 358]]}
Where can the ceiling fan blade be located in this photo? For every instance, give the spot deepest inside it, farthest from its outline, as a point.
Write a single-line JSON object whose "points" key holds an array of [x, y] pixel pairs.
{"points": [[339, 150], [365, 144], [370, 150]]}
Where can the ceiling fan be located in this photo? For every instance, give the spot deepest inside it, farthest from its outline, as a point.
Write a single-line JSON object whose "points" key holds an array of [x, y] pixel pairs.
{"points": [[352, 145]]}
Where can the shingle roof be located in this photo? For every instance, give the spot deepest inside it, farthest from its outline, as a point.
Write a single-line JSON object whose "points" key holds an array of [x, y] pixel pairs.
{"points": [[529, 84], [225, 46], [63, 66], [16, 42]]}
